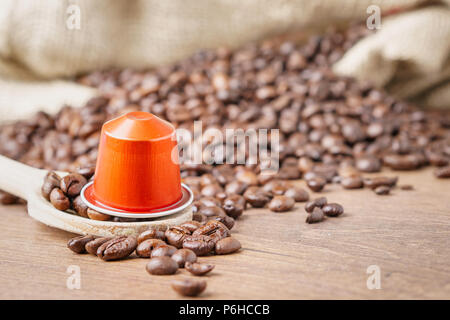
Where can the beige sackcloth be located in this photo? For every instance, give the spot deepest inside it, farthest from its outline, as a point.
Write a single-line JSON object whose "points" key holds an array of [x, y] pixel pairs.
{"points": [[45, 43]]}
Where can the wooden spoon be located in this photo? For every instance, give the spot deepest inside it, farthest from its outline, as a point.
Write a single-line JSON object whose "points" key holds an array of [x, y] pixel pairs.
{"points": [[25, 182]]}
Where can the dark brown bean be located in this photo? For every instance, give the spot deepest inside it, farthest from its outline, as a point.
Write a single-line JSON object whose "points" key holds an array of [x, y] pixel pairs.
{"points": [[189, 287], [352, 182], [59, 200], [151, 233], [227, 245], [80, 207], [95, 215], [375, 182], [316, 184], [198, 269], [201, 245], [281, 204], [162, 266], [117, 248], [226, 220], [163, 250], [382, 190], [257, 197], [145, 248], [319, 203], [51, 181], [442, 173], [368, 164], [298, 194], [234, 205], [183, 256], [72, 184], [191, 225], [176, 235], [78, 244], [332, 209], [315, 216], [92, 246]]}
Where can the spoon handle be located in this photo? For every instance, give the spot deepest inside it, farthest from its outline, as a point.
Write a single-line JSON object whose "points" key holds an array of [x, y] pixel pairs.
{"points": [[19, 179]]}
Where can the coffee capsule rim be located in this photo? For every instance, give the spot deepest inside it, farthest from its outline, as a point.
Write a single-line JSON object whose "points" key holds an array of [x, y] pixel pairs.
{"points": [[185, 201]]}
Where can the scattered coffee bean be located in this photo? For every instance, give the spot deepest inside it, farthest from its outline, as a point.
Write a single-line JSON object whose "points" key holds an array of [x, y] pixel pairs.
{"points": [[316, 184], [144, 248], [191, 225], [59, 200], [117, 248], [281, 204], [333, 209], [183, 256], [198, 269], [78, 244], [227, 245], [407, 187], [201, 244], [319, 203], [93, 245], [352, 182], [257, 197], [375, 182], [315, 216], [443, 172], [162, 266], [234, 206], [368, 164], [382, 190], [163, 250], [7, 198], [298, 194], [226, 220], [176, 235], [151, 234], [189, 287]]}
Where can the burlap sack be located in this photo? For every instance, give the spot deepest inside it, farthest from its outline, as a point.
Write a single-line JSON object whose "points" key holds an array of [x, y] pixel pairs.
{"points": [[40, 40]]}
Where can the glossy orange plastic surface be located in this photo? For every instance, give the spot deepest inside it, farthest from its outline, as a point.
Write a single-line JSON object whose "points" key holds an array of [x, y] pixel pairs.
{"points": [[137, 165]]}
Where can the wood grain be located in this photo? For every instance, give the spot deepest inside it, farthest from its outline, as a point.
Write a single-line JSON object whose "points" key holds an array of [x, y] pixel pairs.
{"points": [[407, 234]]}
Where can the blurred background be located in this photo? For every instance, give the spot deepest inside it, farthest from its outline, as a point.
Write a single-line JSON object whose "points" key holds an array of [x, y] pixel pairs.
{"points": [[45, 45]]}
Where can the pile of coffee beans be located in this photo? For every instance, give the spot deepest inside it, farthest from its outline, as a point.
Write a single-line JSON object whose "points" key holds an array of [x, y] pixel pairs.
{"points": [[167, 250], [332, 129]]}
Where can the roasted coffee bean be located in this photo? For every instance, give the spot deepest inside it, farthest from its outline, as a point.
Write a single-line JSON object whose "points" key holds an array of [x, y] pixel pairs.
{"points": [[212, 211], [403, 162], [145, 247], [375, 182], [87, 171], [352, 182], [78, 244], [281, 204], [7, 198], [257, 197], [191, 225], [382, 190], [235, 187], [226, 220], [319, 203], [315, 216], [297, 193], [316, 184], [209, 202], [211, 190], [80, 207], [183, 256], [151, 233], [51, 181], [234, 205], [201, 244], [198, 217], [163, 250], [442, 173], [212, 227], [368, 164], [333, 209], [72, 184], [407, 187], [175, 236], [117, 248], [227, 245], [95, 215], [189, 287], [247, 177], [162, 266], [59, 200], [198, 269], [93, 245]]}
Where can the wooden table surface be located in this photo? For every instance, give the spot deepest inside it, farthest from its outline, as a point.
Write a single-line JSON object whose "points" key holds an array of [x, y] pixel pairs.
{"points": [[405, 234]]}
